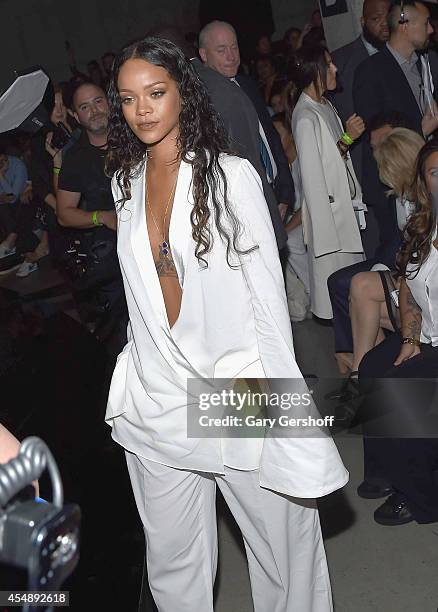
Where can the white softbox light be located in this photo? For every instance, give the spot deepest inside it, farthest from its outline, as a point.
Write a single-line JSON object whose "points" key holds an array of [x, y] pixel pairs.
{"points": [[21, 98]]}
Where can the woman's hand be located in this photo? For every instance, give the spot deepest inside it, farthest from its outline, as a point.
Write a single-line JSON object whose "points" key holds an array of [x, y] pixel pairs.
{"points": [[54, 153], [407, 352], [26, 196], [355, 126]]}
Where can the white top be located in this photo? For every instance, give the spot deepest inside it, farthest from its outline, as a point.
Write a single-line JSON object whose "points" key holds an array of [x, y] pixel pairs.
{"points": [[232, 322], [404, 209], [424, 288]]}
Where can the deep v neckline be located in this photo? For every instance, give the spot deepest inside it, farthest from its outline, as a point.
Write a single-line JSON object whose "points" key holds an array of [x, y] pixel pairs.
{"points": [[170, 242]]}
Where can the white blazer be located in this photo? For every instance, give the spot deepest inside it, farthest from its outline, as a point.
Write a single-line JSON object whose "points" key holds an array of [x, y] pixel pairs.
{"points": [[231, 320], [329, 221]]}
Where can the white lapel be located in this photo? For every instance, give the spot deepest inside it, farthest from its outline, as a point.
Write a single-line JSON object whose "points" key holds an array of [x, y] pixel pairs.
{"points": [[141, 248]]}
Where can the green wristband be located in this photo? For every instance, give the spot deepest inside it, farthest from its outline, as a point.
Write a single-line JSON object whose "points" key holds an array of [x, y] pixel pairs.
{"points": [[95, 219], [56, 170], [347, 139]]}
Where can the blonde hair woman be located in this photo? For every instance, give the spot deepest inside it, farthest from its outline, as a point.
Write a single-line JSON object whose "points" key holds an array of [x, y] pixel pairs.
{"points": [[394, 156], [374, 295]]}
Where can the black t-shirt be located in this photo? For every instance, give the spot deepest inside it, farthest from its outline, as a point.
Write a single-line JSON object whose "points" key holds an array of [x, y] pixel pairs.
{"points": [[83, 171]]}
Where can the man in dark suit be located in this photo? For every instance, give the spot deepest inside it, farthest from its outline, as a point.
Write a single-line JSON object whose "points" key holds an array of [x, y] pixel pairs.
{"points": [[375, 33], [219, 50], [392, 80], [241, 122]]}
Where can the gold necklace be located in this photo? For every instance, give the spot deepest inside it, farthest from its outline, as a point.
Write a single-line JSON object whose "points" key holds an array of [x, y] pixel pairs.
{"points": [[164, 265]]}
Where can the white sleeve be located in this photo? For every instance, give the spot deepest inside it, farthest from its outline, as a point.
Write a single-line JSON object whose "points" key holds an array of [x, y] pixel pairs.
{"points": [[263, 275], [300, 466], [115, 191], [315, 192]]}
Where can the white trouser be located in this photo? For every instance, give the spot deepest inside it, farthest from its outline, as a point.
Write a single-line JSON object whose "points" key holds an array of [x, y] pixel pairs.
{"points": [[298, 258], [282, 537]]}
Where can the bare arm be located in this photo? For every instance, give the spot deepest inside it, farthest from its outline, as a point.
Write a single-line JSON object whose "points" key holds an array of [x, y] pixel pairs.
{"points": [[69, 215], [9, 448], [410, 316], [9, 445], [56, 156], [410, 313]]}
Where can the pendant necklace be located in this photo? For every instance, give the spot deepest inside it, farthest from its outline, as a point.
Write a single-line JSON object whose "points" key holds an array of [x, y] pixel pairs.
{"points": [[165, 265]]}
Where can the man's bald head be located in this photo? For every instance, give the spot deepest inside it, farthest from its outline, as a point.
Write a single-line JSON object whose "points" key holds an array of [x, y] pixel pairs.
{"points": [[219, 49], [375, 21], [412, 25]]}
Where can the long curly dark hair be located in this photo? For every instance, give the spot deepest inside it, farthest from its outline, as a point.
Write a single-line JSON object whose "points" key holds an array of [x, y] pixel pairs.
{"points": [[202, 138], [418, 233]]}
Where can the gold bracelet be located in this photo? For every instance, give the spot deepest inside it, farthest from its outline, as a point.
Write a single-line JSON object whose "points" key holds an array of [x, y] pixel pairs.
{"points": [[411, 340]]}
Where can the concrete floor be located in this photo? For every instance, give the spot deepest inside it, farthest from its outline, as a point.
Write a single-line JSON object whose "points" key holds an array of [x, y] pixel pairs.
{"points": [[373, 568]]}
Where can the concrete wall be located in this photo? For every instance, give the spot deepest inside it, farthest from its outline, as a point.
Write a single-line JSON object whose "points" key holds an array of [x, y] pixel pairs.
{"points": [[34, 31], [344, 28]]}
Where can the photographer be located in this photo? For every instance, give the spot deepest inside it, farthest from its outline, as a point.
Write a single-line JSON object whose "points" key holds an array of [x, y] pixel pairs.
{"points": [[83, 175], [84, 201]]}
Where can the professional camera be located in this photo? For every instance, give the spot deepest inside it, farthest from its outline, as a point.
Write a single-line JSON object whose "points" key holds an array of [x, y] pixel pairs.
{"points": [[60, 137], [42, 537]]}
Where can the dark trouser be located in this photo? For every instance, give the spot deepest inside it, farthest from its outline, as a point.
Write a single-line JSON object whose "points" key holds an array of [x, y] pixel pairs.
{"points": [[8, 218], [18, 218], [339, 290], [407, 464]]}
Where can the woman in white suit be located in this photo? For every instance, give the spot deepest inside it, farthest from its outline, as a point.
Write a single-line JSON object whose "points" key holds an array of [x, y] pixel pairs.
{"points": [[206, 300], [328, 184]]}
